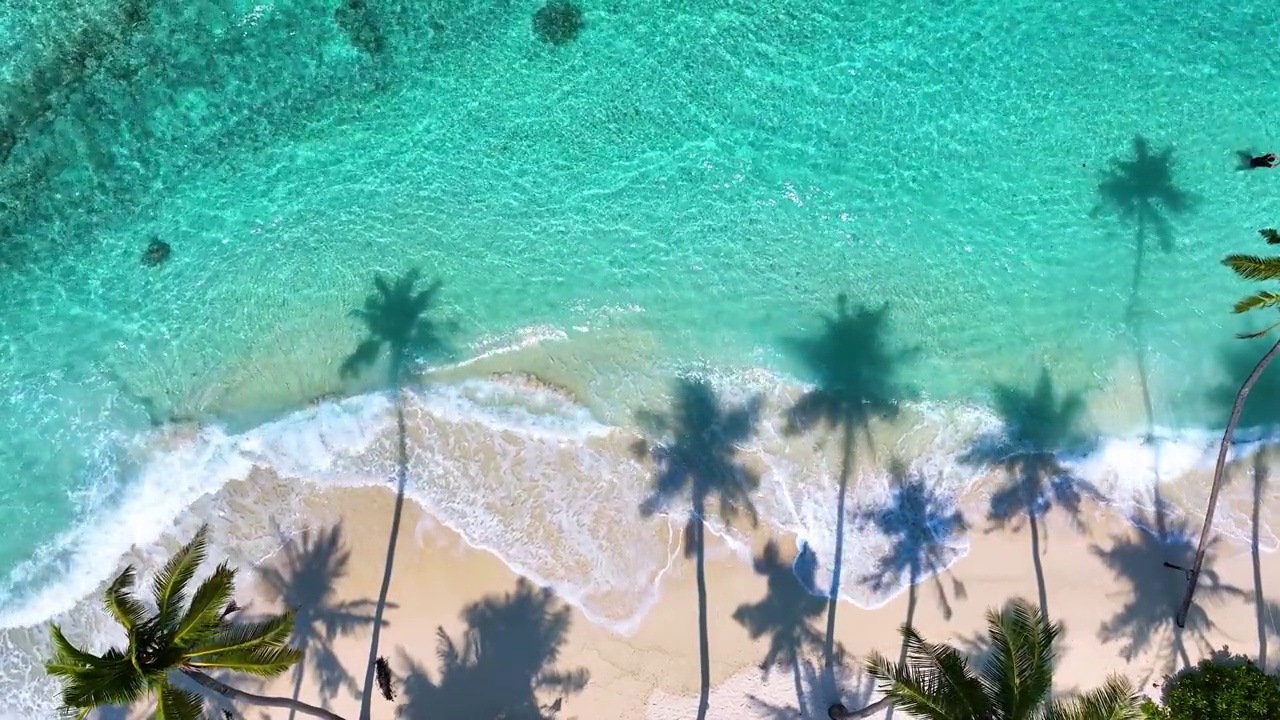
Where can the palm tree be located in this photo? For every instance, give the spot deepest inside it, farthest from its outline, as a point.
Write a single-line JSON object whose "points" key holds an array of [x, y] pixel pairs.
{"points": [[185, 635], [396, 319], [936, 682], [1248, 267]]}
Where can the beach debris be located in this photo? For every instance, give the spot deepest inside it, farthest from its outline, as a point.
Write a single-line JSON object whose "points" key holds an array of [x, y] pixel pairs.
{"points": [[382, 670], [157, 252], [558, 22]]}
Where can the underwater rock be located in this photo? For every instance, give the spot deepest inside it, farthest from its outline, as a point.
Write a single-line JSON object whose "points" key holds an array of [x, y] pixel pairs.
{"points": [[356, 21], [157, 252], [558, 22], [7, 141]]}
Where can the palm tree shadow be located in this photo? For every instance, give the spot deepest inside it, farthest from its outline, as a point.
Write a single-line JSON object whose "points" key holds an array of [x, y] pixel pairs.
{"points": [[304, 579], [818, 693], [695, 456], [921, 526], [1037, 425], [1141, 191], [396, 320], [1143, 560], [856, 383], [1266, 613], [787, 614], [506, 656]]}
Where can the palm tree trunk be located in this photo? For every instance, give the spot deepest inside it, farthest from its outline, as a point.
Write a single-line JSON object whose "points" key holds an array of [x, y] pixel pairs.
{"points": [[1193, 575], [261, 700]]}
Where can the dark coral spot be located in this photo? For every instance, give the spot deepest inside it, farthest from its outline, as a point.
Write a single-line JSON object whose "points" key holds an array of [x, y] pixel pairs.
{"points": [[157, 252], [357, 21], [558, 22]]}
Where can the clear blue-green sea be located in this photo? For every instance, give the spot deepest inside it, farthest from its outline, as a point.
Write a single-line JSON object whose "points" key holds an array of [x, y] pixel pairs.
{"points": [[1025, 190]]}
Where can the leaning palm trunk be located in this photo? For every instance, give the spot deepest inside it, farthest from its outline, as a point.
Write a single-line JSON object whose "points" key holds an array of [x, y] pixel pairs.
{"points": [[1193, 575], [261, 700]]}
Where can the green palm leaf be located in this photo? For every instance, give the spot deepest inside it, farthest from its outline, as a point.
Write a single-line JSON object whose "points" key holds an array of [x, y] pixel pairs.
{"points": [[112, 681], [67, 658], [120, 601], [272, 632], [933, 683], [1115, 700], [912, 690], [170, 586], [177, 636], [1019, 672], [1271, 235], [177, 704], [1253, 267], [1260, 299], [261, 661], [204, 614]]}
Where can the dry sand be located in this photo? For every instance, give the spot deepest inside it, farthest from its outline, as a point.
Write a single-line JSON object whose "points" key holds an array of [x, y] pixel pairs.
{"points": [[467, 638]]}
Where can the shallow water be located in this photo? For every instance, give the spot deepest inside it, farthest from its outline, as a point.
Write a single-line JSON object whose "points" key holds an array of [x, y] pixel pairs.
{"points": [[677, 189]]}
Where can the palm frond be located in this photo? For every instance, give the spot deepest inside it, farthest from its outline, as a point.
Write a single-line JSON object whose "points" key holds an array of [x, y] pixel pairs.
{"points": [[70, 713], [120, 601], [1018, 673], [177, 704], [913, 692], [1258, 333], [67, 658], [1253, 267], [933, 677], [262, 661], [957, 682], [1117, 699], [271, 632], [1260, 299], [1271, 235], [113, 681], [204, 615], [170, 586]]}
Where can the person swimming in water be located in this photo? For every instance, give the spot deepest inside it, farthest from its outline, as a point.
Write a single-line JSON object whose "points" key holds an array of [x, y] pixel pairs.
{"points": [[1263, 161]]}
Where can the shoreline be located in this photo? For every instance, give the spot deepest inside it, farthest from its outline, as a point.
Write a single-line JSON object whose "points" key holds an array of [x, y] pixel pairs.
{"points": [[653, 673], [257, 510]]}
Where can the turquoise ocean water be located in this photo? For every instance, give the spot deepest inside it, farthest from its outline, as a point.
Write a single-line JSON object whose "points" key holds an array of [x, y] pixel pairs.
{"points": [[681, 188]]}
